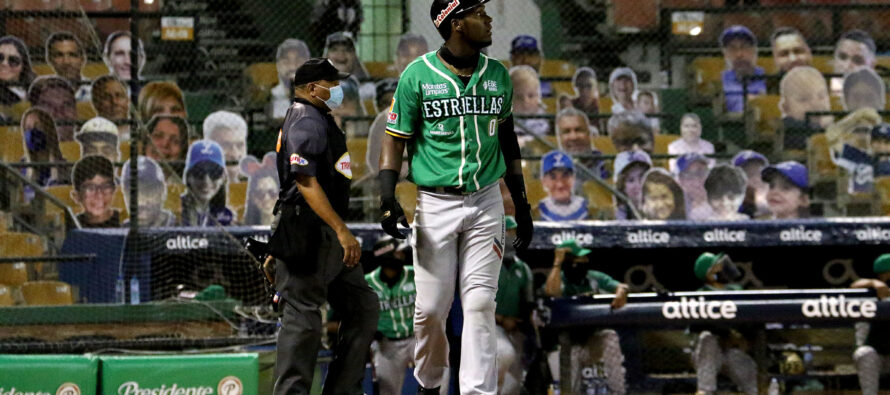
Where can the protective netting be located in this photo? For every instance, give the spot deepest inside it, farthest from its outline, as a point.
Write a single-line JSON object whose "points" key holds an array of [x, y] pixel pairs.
{"points": [[666, 110]]}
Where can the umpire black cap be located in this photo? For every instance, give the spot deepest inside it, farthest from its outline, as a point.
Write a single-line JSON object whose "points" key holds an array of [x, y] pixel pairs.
{"points": [[317, 69], [443, 11]]}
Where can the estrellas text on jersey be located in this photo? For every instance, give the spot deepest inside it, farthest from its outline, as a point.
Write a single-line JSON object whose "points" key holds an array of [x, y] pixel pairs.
{"points": [[465, 105]]}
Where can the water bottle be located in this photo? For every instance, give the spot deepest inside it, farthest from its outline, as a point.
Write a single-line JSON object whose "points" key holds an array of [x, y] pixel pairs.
{"points": [[554, 388], [120, 296], [134, 290], [773, 387]]}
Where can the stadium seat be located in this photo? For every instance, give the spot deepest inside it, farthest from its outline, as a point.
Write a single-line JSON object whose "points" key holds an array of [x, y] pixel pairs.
{"points": [[556, 68], [94, 70], [765, 114], [599, 200], [6, 298], [263, 75], [85, 111], [18, 109], [823, 63], [63, 193], [237, 194], [21, 244], [13, 274], [43, 69], [42, 293], [819, 158], [706, 72], [406, 192], [882, 192], [125, 151], [174, 198], [562, 88], [70, 150], [550, 104], [540, 148], [358, 148], [13, 149], [604, 145], [534, 191], [380, 70], [605, 104], [662, 141]]}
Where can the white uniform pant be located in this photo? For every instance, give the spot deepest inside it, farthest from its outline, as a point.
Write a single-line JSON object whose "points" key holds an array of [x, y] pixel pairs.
{"points": [[709, 359], [458, 240], [869, 366], [509, 361], [603, 346], [391, 359]]}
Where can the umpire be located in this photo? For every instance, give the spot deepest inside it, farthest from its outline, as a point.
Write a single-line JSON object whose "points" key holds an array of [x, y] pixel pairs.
{"points": [[316, 255]]}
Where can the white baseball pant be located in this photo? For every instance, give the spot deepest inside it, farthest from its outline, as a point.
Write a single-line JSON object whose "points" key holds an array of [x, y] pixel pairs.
{"points": [[458, 239], [709, 359], [869, 366], [509, 361], [391, 359], [603, 346]]}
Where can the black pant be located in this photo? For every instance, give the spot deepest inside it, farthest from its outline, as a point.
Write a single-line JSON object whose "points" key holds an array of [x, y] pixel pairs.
{"points": [[305, 287]]}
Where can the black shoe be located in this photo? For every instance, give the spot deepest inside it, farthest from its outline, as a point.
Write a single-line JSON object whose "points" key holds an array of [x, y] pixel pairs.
{"points": [[427, 391]]}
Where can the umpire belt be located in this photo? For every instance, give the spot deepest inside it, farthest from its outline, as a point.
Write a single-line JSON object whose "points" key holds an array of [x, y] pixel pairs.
{"points": [[447, 190]]}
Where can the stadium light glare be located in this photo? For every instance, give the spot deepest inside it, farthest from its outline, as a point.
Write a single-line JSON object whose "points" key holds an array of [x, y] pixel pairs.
{"points": [[695, 31]]}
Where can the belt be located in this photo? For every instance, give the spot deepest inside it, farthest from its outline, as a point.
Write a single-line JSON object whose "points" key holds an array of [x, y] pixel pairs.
{"points": [[446, 190]]}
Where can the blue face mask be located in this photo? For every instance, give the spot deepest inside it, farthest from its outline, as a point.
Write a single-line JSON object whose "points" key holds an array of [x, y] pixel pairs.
{"points": [[35, 139], [336, 99]]}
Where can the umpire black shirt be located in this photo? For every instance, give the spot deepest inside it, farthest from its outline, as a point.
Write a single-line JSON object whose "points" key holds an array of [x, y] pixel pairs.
{"points": [[311, 143]]}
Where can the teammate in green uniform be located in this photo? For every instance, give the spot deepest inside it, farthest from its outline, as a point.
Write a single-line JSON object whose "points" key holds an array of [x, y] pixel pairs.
{"points": [[576, 278], [453, 110], [708, 355], [873, 356], [515, 300], [394, 284]]}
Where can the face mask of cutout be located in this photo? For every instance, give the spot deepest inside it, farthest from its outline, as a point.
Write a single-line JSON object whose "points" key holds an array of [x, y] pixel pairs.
{"points": [[336, 99]]}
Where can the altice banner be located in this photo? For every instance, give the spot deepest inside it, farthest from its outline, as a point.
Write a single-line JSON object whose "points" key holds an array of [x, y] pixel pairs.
{"points": [[48, 374], [212, 374]]}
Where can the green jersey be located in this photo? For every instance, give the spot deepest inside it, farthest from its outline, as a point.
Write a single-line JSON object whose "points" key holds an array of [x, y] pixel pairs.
{"points": [[452, 127], [594, 282], [396, 304], [515, 286]]}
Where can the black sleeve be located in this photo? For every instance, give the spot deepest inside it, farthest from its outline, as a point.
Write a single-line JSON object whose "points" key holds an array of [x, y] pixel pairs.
{"points": [[507, 138], [306, 142]]}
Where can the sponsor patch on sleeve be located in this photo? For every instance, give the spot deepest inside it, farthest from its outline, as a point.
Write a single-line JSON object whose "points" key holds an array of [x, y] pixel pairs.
{"points": [[392, 118], [298, 160]]}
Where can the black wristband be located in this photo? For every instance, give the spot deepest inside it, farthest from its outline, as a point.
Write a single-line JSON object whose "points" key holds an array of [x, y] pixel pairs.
{"points": [[388, 180], [516, 185]]}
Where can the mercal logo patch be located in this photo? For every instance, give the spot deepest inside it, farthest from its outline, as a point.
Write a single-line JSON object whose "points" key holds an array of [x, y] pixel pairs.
{"points": [[392, 118], [298, 160], [344, 166]]}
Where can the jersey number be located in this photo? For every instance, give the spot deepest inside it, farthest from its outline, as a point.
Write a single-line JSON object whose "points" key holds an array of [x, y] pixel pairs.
{"points": [[492, 127]]}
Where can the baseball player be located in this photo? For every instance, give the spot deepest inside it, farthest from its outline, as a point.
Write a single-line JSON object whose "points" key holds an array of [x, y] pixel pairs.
{"points": [[716, 347], [872, 357], [393, 282], [576, 278], [515, 300], [453, 109]]}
